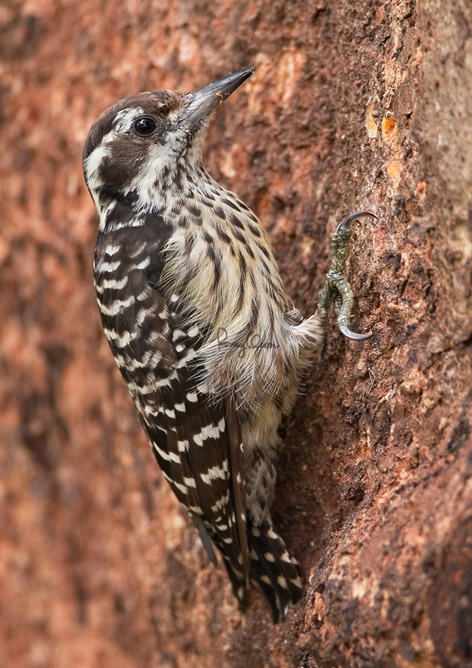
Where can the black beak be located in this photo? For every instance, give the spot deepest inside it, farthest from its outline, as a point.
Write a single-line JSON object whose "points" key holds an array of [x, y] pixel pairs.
{"points": [[204, 100]]}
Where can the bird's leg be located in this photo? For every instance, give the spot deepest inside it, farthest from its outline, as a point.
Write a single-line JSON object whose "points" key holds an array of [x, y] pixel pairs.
{"points": [[337, 290]]}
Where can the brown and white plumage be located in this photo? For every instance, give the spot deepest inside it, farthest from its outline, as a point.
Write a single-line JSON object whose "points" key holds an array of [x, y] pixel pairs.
{"points": [[197, 319]]}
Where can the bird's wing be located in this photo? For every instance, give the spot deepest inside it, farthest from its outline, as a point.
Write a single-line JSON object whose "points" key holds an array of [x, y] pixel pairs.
{"points": [[195, 438]]}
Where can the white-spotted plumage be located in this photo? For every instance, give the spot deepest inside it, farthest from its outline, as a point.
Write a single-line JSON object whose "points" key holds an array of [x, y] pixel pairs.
{"points": [[197, 318]]}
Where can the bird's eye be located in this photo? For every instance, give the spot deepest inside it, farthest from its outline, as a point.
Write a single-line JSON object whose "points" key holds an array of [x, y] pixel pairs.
{"points": [[144, 126]]}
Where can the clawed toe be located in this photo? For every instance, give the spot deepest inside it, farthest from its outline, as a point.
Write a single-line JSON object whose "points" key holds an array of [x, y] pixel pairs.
{"points": [[347, 222], [354, 336], [337, 288]]}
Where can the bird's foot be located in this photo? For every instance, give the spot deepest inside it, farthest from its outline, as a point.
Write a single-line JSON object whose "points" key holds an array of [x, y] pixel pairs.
{"points": [[337, 290]]}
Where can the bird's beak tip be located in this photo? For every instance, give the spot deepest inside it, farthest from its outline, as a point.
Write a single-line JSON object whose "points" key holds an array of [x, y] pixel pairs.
{"points": [[204, 100]]}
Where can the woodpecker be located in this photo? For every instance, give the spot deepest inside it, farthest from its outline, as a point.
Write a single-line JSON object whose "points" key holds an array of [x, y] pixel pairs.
{"points": [[197, 318]]}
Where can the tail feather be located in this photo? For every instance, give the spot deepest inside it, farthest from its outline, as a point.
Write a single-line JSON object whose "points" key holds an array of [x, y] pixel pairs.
{"points": [[239, 582], [271, 569]]}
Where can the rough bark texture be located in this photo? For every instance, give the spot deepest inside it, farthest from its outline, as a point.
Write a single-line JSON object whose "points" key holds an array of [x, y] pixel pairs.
{"points": [[353, 106]]}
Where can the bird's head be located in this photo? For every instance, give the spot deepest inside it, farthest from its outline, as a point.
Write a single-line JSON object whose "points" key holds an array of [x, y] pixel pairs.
{"points": [[149, 136]]}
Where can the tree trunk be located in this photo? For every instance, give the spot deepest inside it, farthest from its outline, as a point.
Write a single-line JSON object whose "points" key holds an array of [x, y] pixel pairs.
{"points": [[353, 106]]}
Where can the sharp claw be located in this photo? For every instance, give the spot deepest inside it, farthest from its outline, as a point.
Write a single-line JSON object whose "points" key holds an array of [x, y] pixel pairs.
{"points": [[347, 222], [336, 280], [355, 336]]}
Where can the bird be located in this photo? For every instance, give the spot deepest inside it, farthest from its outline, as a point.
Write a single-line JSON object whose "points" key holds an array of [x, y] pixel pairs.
{"points": [[197, 318]]}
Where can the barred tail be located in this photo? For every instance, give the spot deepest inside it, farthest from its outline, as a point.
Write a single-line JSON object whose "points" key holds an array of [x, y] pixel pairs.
{"points": [[271, 569]]}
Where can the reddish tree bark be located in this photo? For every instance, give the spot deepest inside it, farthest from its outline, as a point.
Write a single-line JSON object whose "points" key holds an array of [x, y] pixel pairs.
{"points": [[353, 106]]}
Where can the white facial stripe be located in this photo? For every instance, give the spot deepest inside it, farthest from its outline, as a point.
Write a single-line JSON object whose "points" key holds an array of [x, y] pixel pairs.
{"points": [[125, 118], [94, 160]]}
